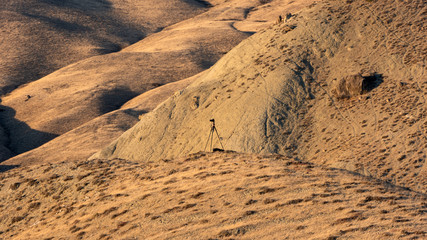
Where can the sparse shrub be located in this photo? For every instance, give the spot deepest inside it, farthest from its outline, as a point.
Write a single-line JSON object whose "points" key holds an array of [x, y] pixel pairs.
{"points": [[34, 205], [32, 182], [15, 186], [17, 219]]}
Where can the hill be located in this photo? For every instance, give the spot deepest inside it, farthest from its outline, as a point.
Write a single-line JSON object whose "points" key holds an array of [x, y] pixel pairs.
{"points": [[274, 93], [322, 117], [41, 36], [76, 94], [83, 141], [204, 196]]}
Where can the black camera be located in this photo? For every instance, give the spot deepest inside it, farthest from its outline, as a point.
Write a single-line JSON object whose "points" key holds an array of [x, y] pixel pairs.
{"points": [[212, 120]]}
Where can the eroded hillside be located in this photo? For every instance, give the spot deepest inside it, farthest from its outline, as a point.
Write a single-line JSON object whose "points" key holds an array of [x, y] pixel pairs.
{"points": [[70, 98], [273, 93], [337, 91]]}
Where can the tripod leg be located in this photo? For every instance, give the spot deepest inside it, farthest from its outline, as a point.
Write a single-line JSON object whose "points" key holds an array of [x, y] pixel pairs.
{"points": [[219, 139], [212, 131], [209, 137]]}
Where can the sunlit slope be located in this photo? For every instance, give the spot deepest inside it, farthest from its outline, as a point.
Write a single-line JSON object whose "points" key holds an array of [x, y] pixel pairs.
{"points": [[274, 93], [74, 95], [204, 196], [38, 36], [83, 141]]}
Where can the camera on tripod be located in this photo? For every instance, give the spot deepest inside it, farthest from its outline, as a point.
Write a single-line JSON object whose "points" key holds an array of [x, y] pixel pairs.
{"points": [[211, 137]]}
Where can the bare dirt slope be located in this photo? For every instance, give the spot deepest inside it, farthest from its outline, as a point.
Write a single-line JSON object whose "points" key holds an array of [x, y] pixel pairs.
{"points": [[40, 36], [350, 168], [80, 143], [204, 196], [274, 93], [76, 94], [82, 91]]}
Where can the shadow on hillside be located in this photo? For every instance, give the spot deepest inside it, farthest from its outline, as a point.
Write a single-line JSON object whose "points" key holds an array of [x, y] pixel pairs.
{"points": [[96, 5], [135, 113], [377, 180], [22, 137], [86, 21], [4, 168], [18, 72], [371, 82], [83, 5], [113, 99], [201, 2], [125, 31], [58, 24]]}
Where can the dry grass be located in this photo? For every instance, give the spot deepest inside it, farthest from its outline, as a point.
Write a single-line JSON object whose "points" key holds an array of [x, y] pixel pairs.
{"points": [[351, 167], [205, 195]]}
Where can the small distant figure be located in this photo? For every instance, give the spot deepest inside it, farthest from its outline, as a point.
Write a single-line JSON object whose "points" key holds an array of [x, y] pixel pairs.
{"points": [[279, 20], [195, 102], [28, 98], [402, 84]]}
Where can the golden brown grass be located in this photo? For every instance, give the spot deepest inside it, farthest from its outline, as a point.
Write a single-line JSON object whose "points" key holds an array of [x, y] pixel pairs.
{"points": [[204, 196]]}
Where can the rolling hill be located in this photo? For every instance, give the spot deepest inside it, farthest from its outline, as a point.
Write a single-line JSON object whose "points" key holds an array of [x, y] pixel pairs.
{"points": [[274, 93], [41, 36], [204, 196], [74, 95], [322, 117]]}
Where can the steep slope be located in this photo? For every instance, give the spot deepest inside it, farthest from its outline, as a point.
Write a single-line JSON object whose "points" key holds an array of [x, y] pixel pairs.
{"points": [[218, 25], [83, 141], [273, 93], [381, 133], [76, 94], [82, 91], [40, 36], [204, 196]]}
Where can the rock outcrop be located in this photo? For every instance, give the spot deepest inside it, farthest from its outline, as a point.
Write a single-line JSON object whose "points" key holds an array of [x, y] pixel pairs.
{"points": [[270, 94]]}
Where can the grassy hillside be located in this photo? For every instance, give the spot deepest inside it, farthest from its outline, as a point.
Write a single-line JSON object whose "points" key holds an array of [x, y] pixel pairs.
{"points": [[204, 196], [322, 117]]}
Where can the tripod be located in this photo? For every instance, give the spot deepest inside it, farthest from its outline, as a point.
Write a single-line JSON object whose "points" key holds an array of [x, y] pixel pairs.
{"points": [[211, 136]]}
